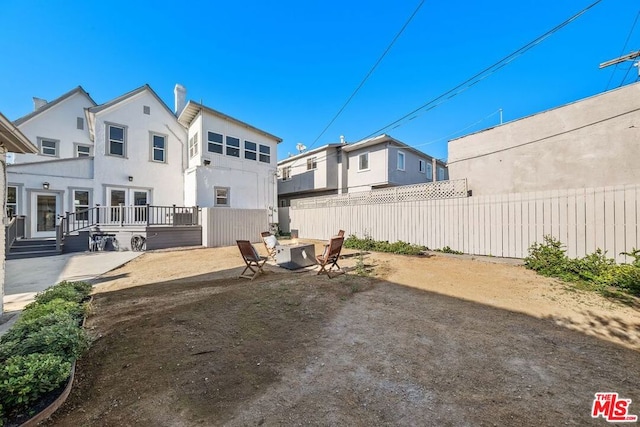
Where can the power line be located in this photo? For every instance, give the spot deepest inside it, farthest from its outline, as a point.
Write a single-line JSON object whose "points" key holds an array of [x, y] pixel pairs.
{"points": [[481, 75], [369, 73], [624, 48]]}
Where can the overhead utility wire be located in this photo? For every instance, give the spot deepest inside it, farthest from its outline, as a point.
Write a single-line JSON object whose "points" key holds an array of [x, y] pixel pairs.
{"points": [[624, 48], [482, 74], [369, 73]]}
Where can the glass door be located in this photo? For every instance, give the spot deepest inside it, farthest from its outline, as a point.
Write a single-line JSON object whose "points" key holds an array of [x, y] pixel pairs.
{"points": [[44, 213]]}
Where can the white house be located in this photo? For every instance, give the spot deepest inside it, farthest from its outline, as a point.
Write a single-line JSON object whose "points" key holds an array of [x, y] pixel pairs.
{"points": [[132, 151]]}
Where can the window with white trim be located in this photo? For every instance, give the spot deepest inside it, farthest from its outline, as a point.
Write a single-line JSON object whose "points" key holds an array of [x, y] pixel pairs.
{"points": [[81, 204], [193, 145], [440, 174], [429, 169], [233, 146], [12, 201], [401, 159], [250, 150], [265, 154], [221, 196], [117, 140], [214, 142], [79, 123], [48, 147], [421, 166], [363, 162], [312, 163], [83, 150], [286, 173], [158, 148]]}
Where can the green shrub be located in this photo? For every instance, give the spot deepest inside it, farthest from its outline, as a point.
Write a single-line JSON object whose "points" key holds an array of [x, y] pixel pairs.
{"points": [[368, 244], [58, 305], [22, 327], [24, 379], [68, 291], [448, 250], [63, 338], [594, 270]]}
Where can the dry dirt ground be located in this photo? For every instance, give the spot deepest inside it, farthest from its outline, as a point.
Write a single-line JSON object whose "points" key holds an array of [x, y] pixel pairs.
{"points": [[434, 341]]}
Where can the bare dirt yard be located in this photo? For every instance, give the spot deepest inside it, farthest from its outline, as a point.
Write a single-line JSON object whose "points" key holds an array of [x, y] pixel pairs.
{"points": [[436, 341]]}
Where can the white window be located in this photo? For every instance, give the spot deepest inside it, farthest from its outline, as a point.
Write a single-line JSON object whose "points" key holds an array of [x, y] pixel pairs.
{"points": [[440, 174], [12, 201], [214, 142], [250, 150], [400, 161], [429, 168], [421, 166], [363, 162], [233, 146], [158, 148], [265, 154], [117, 140], [81, 204], [312, 163], [48, 147], [193, 145], [286, 173], [222, 196], [79, 123], [83, 150]]}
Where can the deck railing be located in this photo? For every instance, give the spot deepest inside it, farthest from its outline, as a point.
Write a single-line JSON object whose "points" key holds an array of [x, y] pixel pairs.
{"points": [[122, 216], [14, 230]]}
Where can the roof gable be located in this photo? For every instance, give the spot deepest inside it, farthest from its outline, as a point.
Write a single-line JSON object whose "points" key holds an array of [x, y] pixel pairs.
{"points": [[129, 95], [49, 105]]}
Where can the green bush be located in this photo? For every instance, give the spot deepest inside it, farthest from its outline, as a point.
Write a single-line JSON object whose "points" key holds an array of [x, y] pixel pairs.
{"points": [[595, 270], [448, 250], [63, 338], [68, 291], [22, 328], [23, 379], [368, 244], [58, 305]]}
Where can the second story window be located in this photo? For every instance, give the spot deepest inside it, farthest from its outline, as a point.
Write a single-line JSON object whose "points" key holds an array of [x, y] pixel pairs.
{"points": [[400, 161], [312, 163], [79, 123], [250, 149], [363, 162], [214, 142], [193, 145], [117, 140], [440, 174], [48, 147], [158, 148], [233, 146], [286, 173], [265, 154], [421, 166], [429, 169], [83, 150]]}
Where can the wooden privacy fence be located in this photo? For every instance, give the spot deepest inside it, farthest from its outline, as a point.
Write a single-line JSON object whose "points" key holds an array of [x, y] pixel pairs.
{"points": [[223, 226], [499, 225]]}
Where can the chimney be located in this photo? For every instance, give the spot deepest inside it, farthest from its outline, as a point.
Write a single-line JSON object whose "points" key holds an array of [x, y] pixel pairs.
{"points": [[342, 140], [38, 103], [180, 93]]}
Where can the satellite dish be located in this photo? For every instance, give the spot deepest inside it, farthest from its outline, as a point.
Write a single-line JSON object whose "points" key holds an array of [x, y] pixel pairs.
{"points": [[300, 147]]}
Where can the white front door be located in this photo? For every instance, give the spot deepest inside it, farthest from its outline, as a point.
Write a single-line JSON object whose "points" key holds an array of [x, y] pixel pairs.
{"points": [[45, 208]]}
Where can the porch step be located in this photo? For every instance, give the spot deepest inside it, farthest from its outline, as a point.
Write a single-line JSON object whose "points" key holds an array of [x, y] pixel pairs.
{"points": [[32, 248]]}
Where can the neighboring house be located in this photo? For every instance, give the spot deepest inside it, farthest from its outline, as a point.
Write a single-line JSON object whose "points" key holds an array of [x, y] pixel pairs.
{"points": [[11, 140], [592, 142], [131, 151], [373, 163]]}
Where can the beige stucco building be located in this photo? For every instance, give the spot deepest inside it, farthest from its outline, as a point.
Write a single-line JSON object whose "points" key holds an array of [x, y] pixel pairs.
{"points": [[592, 142]]}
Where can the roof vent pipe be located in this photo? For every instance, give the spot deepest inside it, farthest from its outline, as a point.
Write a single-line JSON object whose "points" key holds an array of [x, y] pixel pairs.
{"points": [[38, 103], [180, 93]]}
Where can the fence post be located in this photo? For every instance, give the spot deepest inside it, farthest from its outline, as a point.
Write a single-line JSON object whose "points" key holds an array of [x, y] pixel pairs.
{"points": [[148, 214], [194, 217], [121, 209], [97, 213], [173, 215]]}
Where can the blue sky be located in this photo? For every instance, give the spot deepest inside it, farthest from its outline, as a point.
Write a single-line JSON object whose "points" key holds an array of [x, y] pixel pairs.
{"points": [[287, 67]]}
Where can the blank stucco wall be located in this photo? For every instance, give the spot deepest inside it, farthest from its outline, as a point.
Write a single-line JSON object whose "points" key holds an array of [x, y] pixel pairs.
{"points": [[590, 143]]}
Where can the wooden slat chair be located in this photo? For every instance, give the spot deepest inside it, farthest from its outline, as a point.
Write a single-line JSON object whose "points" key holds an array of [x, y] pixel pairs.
{"points": [[329, 259], [270, 243], [251, 258], [326, 246]]}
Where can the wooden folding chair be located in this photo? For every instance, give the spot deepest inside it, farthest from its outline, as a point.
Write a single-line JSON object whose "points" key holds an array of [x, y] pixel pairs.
{"points": [[270, 243], [329, 259], [251, 258]]}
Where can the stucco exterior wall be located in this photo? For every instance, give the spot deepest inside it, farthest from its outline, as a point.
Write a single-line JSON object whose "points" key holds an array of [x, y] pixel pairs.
{"points": [[590, 143], [164, 181], [58, 123], [411, 173], [324, 177], [377, 174]]}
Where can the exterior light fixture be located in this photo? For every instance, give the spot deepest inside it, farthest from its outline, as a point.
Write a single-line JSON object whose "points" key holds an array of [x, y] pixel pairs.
{"points": [[130, 179], [207, 162], [45, 185]]}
